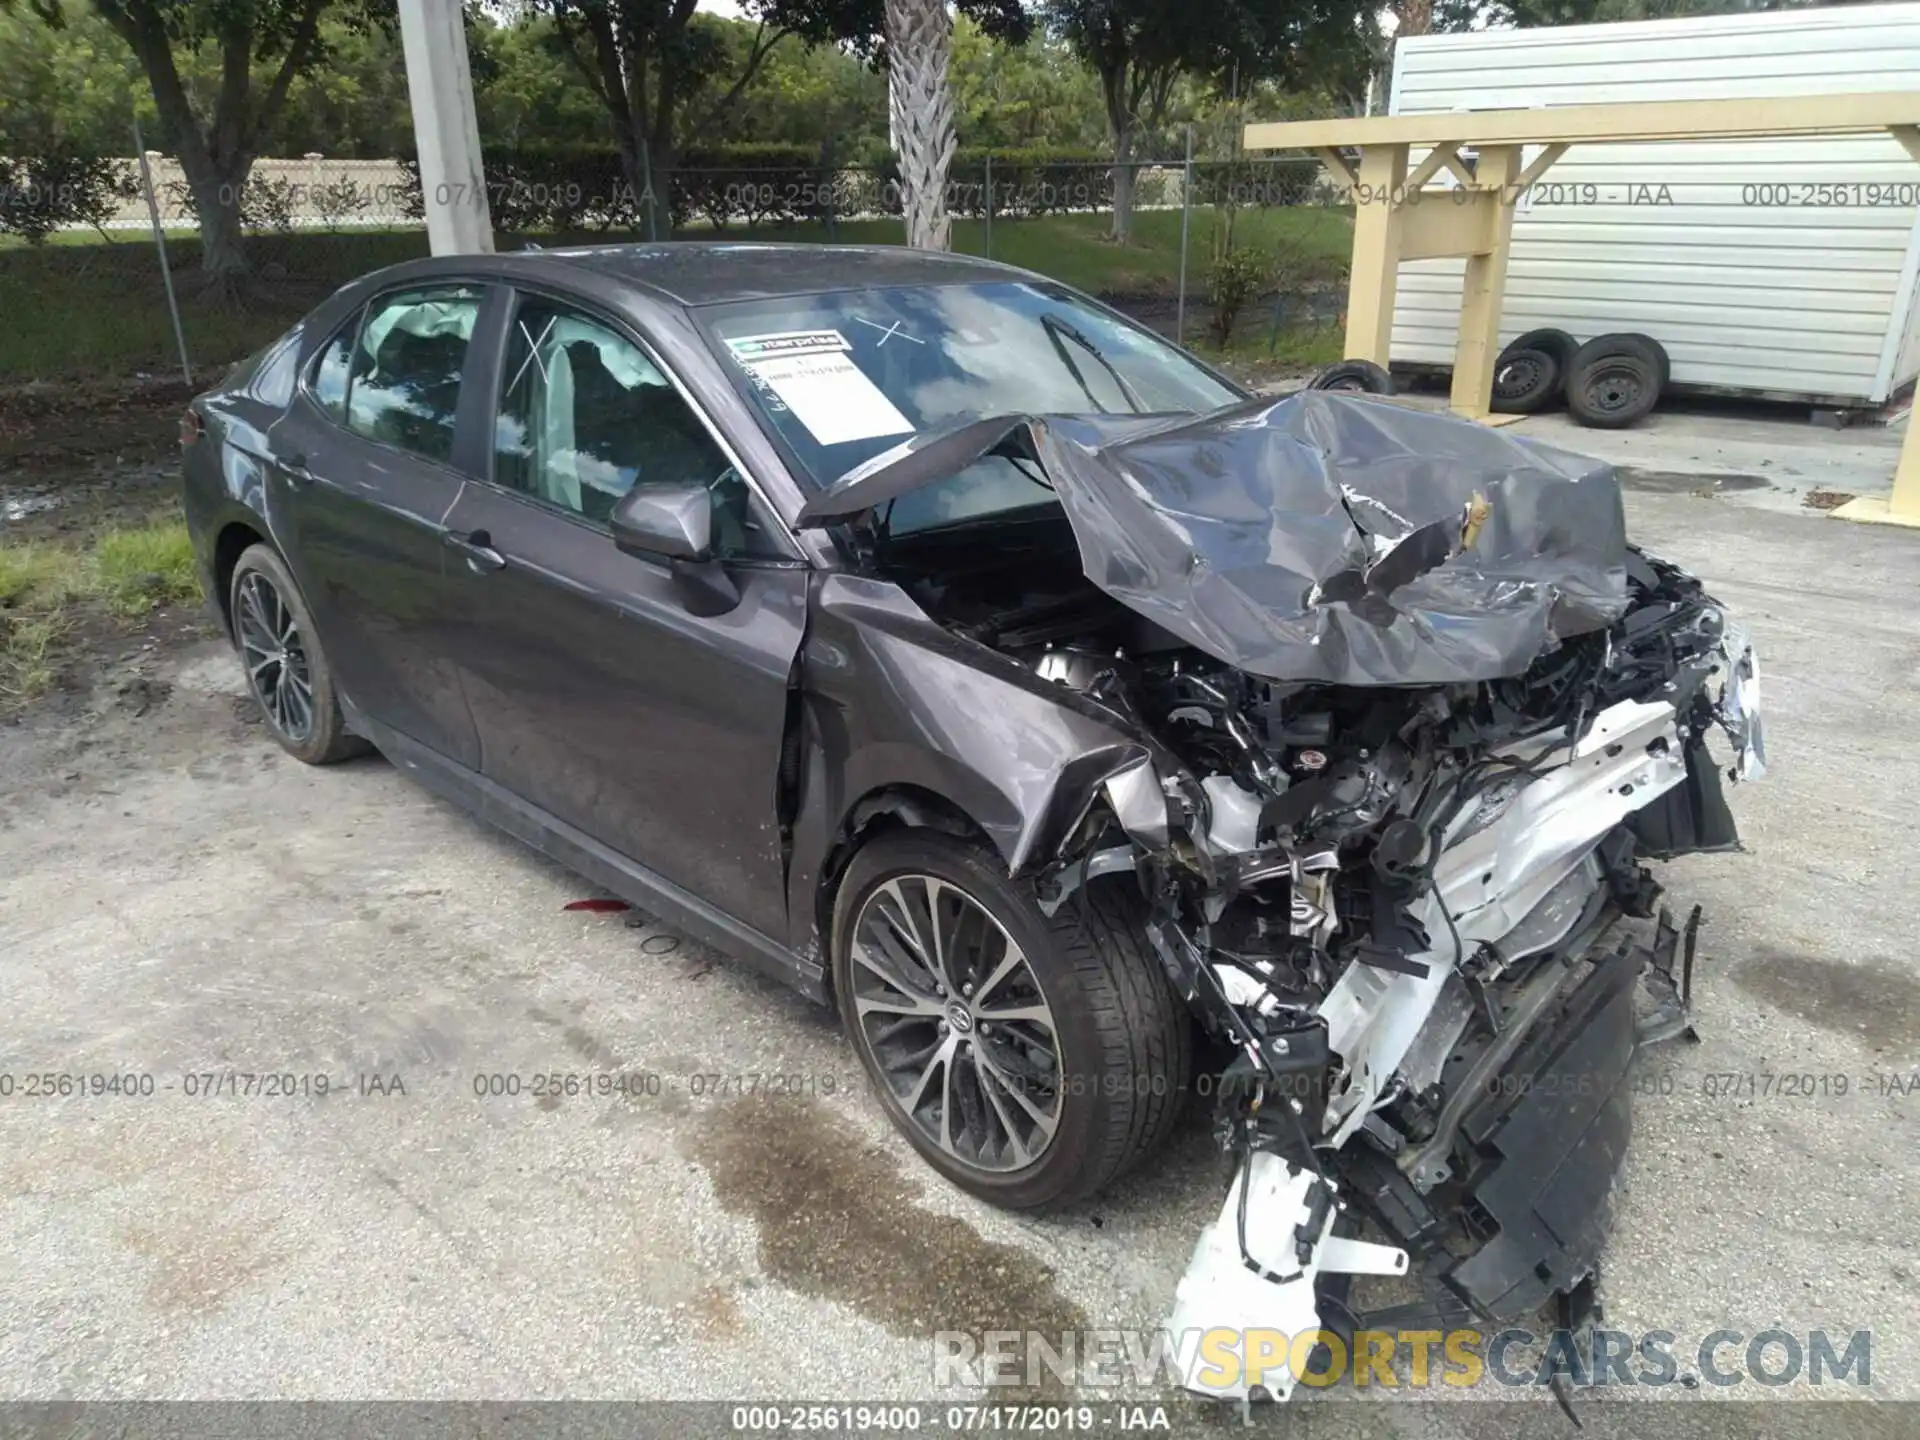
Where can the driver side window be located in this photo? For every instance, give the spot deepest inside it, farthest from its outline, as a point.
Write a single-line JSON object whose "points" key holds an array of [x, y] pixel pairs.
{"points": [[585, 417]]}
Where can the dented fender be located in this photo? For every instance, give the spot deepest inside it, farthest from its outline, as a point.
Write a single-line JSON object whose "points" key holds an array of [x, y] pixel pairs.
{"points": [[890, 701]]}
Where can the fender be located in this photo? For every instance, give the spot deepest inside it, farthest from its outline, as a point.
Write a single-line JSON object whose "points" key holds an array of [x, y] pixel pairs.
{"points": [[891, 701]]}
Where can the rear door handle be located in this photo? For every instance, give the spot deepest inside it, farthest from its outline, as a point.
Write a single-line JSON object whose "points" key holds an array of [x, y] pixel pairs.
{"points": [[477, 546], [296, 467]]}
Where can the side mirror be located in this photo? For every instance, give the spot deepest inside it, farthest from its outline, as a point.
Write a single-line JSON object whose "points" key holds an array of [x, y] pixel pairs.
{"points": [[665, 522]]}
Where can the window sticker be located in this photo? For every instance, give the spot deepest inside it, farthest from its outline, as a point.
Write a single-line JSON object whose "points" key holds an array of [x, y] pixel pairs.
{"points": [[813, 376]]}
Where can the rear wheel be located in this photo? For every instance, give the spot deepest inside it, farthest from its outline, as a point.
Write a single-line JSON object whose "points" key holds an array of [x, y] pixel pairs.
{"points": [[1029, 1059], [287, 672]]}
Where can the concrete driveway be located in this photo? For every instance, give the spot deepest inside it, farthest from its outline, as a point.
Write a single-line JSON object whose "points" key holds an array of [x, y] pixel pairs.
{"points": [[178, 899]]}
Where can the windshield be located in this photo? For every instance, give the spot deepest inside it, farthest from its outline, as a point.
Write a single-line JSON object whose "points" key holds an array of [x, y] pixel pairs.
{"points": [[839, 378]]}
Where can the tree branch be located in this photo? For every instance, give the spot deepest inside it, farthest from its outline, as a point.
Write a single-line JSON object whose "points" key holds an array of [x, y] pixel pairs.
{"points": [[756, 56], [141, 29], [306, 36]]}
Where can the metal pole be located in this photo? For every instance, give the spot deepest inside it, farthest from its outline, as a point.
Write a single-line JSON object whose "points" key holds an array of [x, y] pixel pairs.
{"points": [[1186, 213], [453, 182], [989, 245], [160, 240]]}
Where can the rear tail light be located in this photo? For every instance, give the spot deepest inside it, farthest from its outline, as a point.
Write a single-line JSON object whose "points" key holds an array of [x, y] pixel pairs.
{"points": [[191, 427]]}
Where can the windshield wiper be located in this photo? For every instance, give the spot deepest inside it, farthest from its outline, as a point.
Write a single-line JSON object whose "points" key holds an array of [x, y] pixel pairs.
{"points": [[1056, 329]]}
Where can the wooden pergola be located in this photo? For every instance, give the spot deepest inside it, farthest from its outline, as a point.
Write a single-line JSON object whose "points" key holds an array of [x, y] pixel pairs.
{"points": [[1398, 217]]}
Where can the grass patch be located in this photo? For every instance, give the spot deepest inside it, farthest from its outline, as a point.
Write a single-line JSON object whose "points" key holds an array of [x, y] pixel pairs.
{"points": [[75, 309], [27, 646], [46, 588], [137, 569], [36, 576], [1260, 352]]}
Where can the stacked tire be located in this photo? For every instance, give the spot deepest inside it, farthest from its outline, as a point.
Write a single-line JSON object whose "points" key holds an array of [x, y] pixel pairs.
{"points": [[1615, 380], [1531, 372], [1610, 382]]}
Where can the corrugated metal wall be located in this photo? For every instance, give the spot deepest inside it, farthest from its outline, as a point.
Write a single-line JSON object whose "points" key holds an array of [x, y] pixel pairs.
{"points": [[1781, 266]]}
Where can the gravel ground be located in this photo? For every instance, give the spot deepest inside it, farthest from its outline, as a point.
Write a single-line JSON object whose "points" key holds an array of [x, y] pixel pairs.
{"points": [[178, 899]]}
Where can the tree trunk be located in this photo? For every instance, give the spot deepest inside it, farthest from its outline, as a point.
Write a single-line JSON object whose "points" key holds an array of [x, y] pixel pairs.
{"points": [[1122, 184], [1412, 17], [919, 44], [216, 189], [649, 172]]}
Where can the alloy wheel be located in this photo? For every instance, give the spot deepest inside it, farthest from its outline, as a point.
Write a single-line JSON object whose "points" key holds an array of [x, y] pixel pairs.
{"points": [[952, 1015], [275, 656]]}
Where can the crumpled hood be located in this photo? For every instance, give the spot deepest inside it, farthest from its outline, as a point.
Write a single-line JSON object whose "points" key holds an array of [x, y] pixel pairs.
{"points": [[1329, 538]]}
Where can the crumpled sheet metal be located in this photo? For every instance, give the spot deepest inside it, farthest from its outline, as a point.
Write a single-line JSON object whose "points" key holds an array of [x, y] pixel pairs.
{"points": [[1344, 539]]}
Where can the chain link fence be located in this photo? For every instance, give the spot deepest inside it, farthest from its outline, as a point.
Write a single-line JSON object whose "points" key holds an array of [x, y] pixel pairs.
{"points": [[1245, 256]]}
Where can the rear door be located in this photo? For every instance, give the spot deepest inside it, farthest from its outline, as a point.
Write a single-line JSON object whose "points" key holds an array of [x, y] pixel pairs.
{"points": [[370, 458], [597, 694]]}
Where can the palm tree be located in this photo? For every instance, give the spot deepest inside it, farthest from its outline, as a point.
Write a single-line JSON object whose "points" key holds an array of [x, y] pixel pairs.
{"points": [[920, 111]]}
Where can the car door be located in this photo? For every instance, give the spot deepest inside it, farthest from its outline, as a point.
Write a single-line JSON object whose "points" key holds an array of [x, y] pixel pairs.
{"points": [[597, 693], [369, 460]]}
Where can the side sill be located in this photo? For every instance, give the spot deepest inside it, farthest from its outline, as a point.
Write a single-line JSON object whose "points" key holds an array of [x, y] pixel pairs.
{"points": [[581, 853]]}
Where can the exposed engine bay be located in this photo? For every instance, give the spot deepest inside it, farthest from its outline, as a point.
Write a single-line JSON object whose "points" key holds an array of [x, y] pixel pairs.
{"points": [[1416, 914]]}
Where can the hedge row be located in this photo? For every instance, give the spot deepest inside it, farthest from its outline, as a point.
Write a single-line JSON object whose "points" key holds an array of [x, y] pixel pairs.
{"points": [[547, 188]]}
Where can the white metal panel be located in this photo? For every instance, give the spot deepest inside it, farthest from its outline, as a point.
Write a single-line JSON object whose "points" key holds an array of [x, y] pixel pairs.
{"points": [[1777, 265]]}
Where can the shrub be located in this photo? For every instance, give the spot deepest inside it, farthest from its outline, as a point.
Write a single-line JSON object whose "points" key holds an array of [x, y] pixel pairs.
{"points": [[1238, 275], [40, 194]]}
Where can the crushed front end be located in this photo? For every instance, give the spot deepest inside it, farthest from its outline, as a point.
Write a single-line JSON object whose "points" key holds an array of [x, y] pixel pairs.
{"points": [[1419, 918], [1412, 716]]}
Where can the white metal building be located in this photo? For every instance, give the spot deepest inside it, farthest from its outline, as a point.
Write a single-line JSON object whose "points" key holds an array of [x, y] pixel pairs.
{"points": [[1784, 268]]}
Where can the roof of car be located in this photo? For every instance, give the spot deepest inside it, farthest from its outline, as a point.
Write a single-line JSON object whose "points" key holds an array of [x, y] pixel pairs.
{"points": [[706, 273]]}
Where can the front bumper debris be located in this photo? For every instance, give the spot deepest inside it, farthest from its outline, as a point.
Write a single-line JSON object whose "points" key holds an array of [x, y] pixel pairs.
{"points": [[1484, 1157]]}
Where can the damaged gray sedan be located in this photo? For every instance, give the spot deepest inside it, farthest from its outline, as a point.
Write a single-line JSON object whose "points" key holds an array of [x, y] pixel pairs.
{"points": [[959, 652]]}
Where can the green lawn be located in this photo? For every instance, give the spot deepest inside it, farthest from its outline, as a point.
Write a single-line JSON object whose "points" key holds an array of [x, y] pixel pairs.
{"points": [[78, 309]]}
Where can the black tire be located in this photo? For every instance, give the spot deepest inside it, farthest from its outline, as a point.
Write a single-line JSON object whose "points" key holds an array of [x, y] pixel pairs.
{"points": [[1557, 343], [323, 738], [1526, 381], [1124, 1040], [1614, 381], [1355, 376], [1654, 348]]}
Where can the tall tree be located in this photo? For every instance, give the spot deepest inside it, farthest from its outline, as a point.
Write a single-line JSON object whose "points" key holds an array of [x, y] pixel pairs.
{"points": [[666, 75], [919, 44], [262, 46], [920, 115], [1140, 48], [1036, 94]]}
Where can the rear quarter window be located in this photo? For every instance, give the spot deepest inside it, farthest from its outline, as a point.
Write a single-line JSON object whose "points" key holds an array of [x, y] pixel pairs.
{"points": [[328, 383], [278, 371]]}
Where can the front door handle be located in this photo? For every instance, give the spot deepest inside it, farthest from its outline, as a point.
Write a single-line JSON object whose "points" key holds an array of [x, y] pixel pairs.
{"points": [[477, 546]]}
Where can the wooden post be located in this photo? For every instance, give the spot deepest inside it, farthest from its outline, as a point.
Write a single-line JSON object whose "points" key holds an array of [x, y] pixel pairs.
{"points": [[1485, 283], [1904, 504], [1378, 220], [1387, 228]]}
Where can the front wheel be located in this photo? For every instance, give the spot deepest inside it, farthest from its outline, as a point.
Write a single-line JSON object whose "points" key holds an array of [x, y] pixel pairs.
{"points": [[1031, 1060]]}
